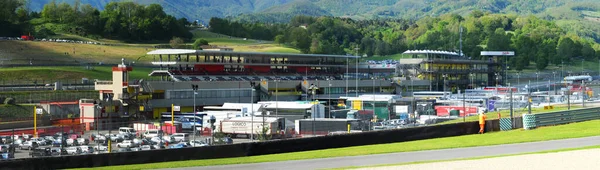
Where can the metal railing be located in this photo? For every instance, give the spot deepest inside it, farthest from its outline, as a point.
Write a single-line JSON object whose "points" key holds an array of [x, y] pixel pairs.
{"points": [[565, 117]]}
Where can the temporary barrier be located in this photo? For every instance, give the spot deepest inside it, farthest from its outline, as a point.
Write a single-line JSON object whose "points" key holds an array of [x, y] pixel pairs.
{"points": [[528, 121], [505, 124]]}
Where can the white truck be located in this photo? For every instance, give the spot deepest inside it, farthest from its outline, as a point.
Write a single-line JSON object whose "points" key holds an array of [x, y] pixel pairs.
{"points": [[242, 127]]}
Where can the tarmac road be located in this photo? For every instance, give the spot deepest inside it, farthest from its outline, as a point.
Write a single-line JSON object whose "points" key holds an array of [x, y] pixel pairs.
{"points": [[405, 157]]}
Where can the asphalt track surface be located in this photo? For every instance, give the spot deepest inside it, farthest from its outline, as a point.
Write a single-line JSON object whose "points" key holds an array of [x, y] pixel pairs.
{"points": [[407, 157]]}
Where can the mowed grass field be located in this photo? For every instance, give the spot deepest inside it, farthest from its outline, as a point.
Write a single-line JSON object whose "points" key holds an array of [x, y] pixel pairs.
{"points": [[241, 45], [29, 74], [575, 130]]}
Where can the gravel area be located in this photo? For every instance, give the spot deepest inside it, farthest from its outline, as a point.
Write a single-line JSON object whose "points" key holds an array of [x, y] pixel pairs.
{"points": [[579, 159]]}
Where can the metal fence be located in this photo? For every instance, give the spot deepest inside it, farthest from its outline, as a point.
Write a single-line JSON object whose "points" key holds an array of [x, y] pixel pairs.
{"points": [[37, 97], [564, 117]]}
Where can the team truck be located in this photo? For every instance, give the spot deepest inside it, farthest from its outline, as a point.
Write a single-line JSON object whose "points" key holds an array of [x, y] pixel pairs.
{"points": [[242, 127], [325, 126]]}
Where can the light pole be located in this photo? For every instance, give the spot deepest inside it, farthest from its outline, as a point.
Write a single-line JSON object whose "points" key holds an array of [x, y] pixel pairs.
{"points": [[582, 69], [252, 111], [356, 78], [554, 80], [276, 97], [109, 98], [373, 86], [518, 81], [444, 84], [347, 76], [472, 85], [194, 89], [536, 79], [329, 96]]}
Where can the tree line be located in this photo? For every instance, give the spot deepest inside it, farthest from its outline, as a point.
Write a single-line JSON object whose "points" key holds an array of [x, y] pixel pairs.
{"points": [[119, 20], [535, 41]]}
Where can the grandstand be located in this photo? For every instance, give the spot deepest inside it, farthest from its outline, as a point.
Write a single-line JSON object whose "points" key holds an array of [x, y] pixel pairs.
{"points": [[200, 65], [242, 77]]}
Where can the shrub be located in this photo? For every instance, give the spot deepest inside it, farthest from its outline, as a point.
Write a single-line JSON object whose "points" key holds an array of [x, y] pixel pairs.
{"points": [[9, 100]]}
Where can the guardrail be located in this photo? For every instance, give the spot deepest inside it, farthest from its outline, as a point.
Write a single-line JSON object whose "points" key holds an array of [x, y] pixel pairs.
{"points": [[564, 117]]}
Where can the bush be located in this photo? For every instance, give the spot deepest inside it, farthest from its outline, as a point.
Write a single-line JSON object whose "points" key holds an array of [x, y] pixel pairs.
{"points": [[9, 100], [176, 43], [198, 43]]}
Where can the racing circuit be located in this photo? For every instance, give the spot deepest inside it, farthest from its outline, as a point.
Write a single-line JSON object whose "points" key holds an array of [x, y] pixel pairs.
{"points": [[408, 157]]}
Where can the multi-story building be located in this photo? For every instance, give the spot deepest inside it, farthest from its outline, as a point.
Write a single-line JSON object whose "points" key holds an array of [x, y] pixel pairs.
{"points": [[447, 71]]}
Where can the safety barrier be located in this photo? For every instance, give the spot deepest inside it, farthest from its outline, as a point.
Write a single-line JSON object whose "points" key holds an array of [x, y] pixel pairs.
{"points": [[250, 149], [564, 117], [529, 121]]}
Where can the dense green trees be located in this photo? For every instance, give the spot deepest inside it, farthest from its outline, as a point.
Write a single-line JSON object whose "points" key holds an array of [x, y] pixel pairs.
{"points": [[534, 40], [13, 18], [119, 20]]}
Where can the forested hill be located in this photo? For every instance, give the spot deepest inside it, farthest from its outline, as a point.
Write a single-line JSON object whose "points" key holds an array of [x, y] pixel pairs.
{"points": [[206, 9], [190, 9], [576, 16]]}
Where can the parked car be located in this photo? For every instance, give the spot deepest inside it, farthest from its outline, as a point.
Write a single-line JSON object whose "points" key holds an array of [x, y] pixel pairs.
{"points": [[138, 141], [26, 136], [152, 133], [127, 131], [196, 143], [5, 139], [41, 152], [4, 148], [180, 137], [83, 141], [101, 147], [115, 137], [73, 150], [226, 140], [136, 149], [29, 145], [100, 152], [99, 138], [58, 151], [74, 136], [122, 150], [86, 149], [18, 142], [156, 140], [39, 141], [6, 155], [70, 142], [126, 144], [145, 147], [158, 146], [177, 146], [169, 139]]}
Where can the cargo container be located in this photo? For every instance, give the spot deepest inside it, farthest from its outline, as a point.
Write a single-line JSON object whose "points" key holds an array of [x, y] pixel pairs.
{"points": [[324, 126]]}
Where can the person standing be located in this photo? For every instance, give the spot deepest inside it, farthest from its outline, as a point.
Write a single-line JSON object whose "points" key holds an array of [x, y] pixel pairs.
{"points": [[482, 118]]}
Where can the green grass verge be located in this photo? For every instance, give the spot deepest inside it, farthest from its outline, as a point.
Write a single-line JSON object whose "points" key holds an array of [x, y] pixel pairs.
{"points": [[15, 111], [47, 95], [575, 130], [220, 39], [516, 113], [475, 158], [49, 74]]}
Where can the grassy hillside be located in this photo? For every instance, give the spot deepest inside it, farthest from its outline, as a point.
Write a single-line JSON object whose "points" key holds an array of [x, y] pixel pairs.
{"points": [[20, 52], [46, 74], [239, 44]]}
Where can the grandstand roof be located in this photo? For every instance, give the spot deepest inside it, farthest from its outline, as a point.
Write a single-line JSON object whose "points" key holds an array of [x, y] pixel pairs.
{"points": [[431, 52], [185, 51]]}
